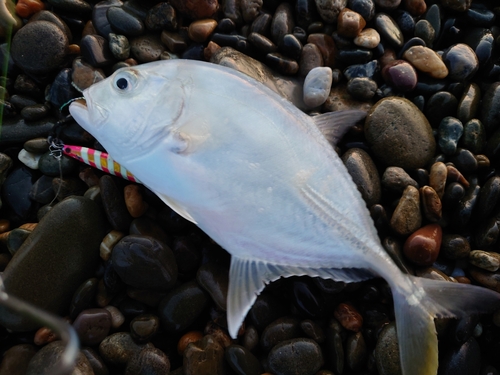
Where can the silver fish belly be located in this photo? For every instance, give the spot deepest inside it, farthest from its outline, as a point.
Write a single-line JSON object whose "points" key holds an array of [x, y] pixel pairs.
{"points": [[260, 178]]}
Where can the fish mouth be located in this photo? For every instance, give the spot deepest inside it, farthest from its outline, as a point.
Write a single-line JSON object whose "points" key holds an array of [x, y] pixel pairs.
{"points": [[87, 115]]}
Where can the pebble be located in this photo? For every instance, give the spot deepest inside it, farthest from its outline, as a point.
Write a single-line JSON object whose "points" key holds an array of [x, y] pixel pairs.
{"points": [[95, 49], [280, 330], [242, 361], [29, 159], [356, 351], [295, 357], [99, 16], [449, 133], [262, 43], [486, 233], [407, 217], [144, 327], [364, 174], [427, 61], [399, 134], [124, 22], [462, 359], [486, 260], [350, 23], [39, 47], [133, 254], [310, 58], [182, 306], [214, 279], [204, 357], [313, 330], [388, 30], [326, 46], [282, 23], [83, 297], [423, 246], [119, 46], [329, 10], [387, 351], [44, 272], [114, 204], [146, 48], [43, 361], [431, 204], [461, 61], [26, 8], [119, 348], [151, 361], [134, 201], [161, 16], [290, 46], [283, 64], [455, 246], [362, 88], [400, 75], [367, 38], [425, 31], [98, 365], [396, 178], [196, 9], [15, 360], [92, 326], [117, 318], [200, 30], [457, 5], [317, 86], [349, 317]]}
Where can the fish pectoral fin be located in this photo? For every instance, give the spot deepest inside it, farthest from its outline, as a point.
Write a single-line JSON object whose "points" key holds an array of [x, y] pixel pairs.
{"points": [[174, 205], [334, 125], [248, 277]]}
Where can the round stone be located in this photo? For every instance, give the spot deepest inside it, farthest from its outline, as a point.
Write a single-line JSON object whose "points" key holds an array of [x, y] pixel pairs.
{"points": [[124, 22], [399, 134], [15, 360], [151, 361], [146, 48], [461, 61], [349, 23], [200, 30], [426, 60], [400, 75], [144, 262], [92, 326], [119, 46], [348, 316], [423, 246], [45, 359], [242, 360], [295, 357], [214, 278], [119, 348], [387, 351], [367, 38], [407, 217], [317, 86]]}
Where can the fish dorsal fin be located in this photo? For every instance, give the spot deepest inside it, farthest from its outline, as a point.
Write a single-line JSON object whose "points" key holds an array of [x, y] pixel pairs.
{"points": [[334, 125], [247, 278], [174, 205]]}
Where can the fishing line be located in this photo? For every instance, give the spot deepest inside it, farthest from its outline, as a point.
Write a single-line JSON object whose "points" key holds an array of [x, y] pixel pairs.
{"points": [[56, 150], [69, 102]]}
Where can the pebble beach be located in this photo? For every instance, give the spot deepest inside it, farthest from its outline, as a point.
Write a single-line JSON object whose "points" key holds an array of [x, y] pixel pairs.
{"points": [[145, 289]]}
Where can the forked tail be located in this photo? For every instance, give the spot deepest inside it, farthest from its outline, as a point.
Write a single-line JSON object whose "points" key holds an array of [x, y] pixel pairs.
{"points": [[416, 307]]}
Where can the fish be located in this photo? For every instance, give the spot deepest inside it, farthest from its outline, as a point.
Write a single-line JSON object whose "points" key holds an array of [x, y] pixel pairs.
{"points": [[98, 159], [263, 180]]}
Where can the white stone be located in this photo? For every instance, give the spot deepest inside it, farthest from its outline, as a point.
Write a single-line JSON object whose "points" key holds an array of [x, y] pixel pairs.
{"points": [[29, 159], [317, 86], [367, 38]]}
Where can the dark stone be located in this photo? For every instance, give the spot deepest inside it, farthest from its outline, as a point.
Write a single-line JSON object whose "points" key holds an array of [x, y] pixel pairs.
{"points": [[95, 50], [123, 22], [242, 361], [114, 204], [296, 357]]}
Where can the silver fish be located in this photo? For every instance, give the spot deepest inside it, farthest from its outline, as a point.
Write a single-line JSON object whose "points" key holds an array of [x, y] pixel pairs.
{"points": [[260, 178]]}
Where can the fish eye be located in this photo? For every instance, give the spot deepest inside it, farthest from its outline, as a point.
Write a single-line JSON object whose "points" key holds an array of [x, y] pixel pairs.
{"points": [[125, 81]]}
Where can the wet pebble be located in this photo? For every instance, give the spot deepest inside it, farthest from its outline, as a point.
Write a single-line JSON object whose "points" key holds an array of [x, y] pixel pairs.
{"points": [[400, 75], [83, 297], [95, 50], [109, 242], [474, 136], [387, 351], [310, 58], [329, 10], [204, 357], [486, 234], [431, 204], [349, 317], [455, 246], [423, 246], [133, 254], [396, 178], [119, 348], [364, 174], [356, 351], [462, 359], [295, 357], [40, 47], [146, 48], [200, 30], [151, 361], [196, 9], [214, 279], [367, 38], [399, 134], [43, 361], [486, 260], [134, 201], [144, 327], [119, 46], [349, 23], [15, 360], [282, 22], [461, 61], [427, 61], [389, 29], [326, 46], [114, 204], [489, 104], [280, 330], [407, 217], [92, 326], [449, 133], [242, 361], [440, 105], [180, 308]]}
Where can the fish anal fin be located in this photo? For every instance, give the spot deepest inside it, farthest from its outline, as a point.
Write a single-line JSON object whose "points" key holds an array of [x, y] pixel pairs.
{"points": [[247, 279], [334, 125]]}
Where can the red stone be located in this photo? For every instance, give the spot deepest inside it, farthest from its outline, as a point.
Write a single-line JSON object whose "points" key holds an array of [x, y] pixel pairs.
{"points": [[422, 247], [196, 9], [348, 317], [350, 23]]}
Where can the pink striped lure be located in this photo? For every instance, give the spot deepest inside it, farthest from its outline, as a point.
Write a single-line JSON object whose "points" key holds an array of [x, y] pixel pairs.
{"points": [[99, 160]]}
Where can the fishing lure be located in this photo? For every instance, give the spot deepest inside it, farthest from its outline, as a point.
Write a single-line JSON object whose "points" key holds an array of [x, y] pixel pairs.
{"points": [[98, 159]]}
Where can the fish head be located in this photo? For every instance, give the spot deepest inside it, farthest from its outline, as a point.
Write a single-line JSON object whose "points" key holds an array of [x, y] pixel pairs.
{"points": [[130, 110]]}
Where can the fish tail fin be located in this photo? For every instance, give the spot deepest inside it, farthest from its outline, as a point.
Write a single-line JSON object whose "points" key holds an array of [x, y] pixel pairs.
{"points": [[418, 304]]}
